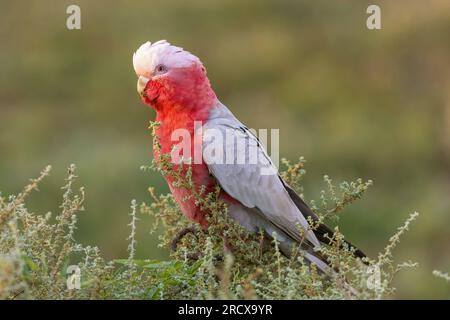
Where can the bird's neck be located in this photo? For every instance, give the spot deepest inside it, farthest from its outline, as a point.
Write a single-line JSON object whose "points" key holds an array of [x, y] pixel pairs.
{"points": [[184, 115], [184, 99], [179, 114], [187, 90]]}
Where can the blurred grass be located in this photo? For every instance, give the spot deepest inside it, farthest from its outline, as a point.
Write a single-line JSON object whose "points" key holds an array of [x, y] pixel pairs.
{"points": [[354, 102]]}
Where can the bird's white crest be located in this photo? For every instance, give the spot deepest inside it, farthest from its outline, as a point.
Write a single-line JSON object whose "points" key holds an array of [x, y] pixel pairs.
{"points": [[150, 55]]}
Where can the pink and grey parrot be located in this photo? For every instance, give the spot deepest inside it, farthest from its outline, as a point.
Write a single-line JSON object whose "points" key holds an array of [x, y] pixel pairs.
{"points": [[174, 82]]}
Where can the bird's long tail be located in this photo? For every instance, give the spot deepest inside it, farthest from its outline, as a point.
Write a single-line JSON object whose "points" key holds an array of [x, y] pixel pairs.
{"points": [[320, 261], [322, 230]]}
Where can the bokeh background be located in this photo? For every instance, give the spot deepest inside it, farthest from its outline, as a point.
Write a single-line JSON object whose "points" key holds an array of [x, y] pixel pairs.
{"points": [[354, 102]]}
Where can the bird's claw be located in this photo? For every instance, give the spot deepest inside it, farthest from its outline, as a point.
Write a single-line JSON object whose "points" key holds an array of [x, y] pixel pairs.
{"points": [[181, 234]]}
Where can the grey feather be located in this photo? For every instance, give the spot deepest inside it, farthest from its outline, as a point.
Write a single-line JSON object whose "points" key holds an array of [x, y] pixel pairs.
{"points": [[266, 204]]}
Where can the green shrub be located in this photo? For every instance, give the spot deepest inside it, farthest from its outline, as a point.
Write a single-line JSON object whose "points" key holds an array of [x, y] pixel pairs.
{"points": [[36, 250]]}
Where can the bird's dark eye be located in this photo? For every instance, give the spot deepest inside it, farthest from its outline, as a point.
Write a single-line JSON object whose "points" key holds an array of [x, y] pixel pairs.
{"points": [[160, 68]]}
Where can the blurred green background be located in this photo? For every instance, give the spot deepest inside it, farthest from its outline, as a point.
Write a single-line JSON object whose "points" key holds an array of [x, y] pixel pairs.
{"points": [[354, 102]]}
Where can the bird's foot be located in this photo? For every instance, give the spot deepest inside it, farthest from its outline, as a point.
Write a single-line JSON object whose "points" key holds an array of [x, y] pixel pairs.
{"points": [[264, 245], [227, 247], [181, 234]]}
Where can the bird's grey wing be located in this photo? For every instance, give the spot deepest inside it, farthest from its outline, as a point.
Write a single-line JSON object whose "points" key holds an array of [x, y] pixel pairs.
{"points": [[248, 175]]}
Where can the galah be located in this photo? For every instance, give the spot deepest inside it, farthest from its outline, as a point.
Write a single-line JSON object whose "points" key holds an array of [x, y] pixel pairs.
{"points": [[174, 82]]}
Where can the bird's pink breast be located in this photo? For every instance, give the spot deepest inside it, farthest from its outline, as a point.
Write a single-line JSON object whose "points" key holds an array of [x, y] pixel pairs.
{"points": [[182, 99], [200, 174], [192, 102]]}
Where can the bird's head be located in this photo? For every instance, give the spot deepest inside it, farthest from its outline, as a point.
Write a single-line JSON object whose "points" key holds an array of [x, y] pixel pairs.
{"points": [[169, 75]]}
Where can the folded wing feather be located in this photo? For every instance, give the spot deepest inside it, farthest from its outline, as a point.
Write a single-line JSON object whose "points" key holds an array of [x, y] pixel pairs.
{"points": [[255, 183]]}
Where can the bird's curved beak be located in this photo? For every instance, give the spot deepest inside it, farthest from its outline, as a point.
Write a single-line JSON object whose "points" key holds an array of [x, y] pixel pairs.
{"points": [[141, 84]]}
